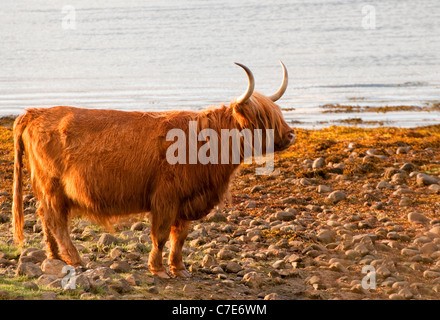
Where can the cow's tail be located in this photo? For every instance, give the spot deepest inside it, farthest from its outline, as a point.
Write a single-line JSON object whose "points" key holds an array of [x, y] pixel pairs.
{"points": [[17, 202]]}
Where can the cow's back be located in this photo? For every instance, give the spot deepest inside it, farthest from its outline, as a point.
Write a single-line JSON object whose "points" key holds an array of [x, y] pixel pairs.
{"points": [[104, 160]]}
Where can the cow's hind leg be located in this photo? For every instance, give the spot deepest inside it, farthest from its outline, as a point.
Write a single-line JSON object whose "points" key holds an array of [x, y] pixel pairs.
{"points": [[55, 221], [49, 239], [160, 231], [179, 232]]}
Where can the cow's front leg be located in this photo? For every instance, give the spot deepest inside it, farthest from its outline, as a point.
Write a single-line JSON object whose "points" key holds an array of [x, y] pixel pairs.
{"points": [[160, 231], [179, 232]]}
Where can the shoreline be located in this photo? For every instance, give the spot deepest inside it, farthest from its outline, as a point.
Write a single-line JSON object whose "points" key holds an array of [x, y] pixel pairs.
{"points": [[348, 116]]}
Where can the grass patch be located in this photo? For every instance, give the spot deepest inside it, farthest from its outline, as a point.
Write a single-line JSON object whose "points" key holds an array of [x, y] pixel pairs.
{"points": [[15, 288], [11, 251]]}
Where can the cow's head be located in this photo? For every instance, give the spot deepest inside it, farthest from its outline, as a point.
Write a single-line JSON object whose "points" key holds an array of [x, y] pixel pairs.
{"points": [[256, 111]]}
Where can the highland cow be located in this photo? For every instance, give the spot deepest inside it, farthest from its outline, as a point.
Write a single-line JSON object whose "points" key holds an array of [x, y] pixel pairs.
{"points": [[103, 164]]}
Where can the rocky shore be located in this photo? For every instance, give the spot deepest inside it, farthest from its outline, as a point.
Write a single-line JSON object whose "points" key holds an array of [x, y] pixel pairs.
{"points": [[348, 213]]}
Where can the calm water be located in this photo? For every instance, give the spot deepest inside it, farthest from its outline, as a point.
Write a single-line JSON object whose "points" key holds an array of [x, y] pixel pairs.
{"points": [[157, 55]]}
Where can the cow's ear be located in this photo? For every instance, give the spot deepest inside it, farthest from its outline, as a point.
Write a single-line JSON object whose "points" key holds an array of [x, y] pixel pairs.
{"points": [[239, 111], [239, 108]]}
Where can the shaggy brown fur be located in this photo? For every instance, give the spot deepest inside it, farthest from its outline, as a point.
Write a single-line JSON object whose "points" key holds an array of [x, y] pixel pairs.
{"points": [[105, 163]]}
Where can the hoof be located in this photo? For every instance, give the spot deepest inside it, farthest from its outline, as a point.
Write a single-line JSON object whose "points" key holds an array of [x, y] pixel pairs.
{"points": [[161, 274], [181, 274]]}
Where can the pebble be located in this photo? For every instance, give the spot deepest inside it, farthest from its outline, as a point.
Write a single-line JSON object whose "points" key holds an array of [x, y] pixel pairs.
{"points": [[313, 280], [339, 267], [272, 296], [393, 235], [216, 216], [88, 233], [318, 163], [48, 295], [133, 279], [251, 204], [361, 249], [398, 178], [37, 255], [337, 196], [86, 296], [284, 216], [4, 218], [383, 272], [208, 261], [217, 270], [338, 168], [29, 270], [46, 279], [405, 202], [121, 286], [99, 272], [305, 182], [384, 185], [316, 283], [357, 288], [409, 252], [403, 150], [120, 266], [435, 230], [233, 267], [144, 238], [187, 288], [372, 152], [257, 188], [153, 290], [253, 279], [107, 239], [400, 284], [279, 264], [225, 254], [352, 254], [428, 248], [313, 208], [406, 293], [389, 172], [54, 267], [56, 284], [408, 167], [116, 252], [324, 189], [435, 188], [430, 274], [418, 218], [333, 223], [81, 281], [4, 295], [30, 286], [377, 206], [326, 236], [396, 296], [425, 179], [422, 240], [137, 226]]}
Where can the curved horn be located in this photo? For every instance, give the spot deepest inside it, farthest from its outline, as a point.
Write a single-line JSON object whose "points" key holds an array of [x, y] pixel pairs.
{"points": [[250, 89], [277, 95]]}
